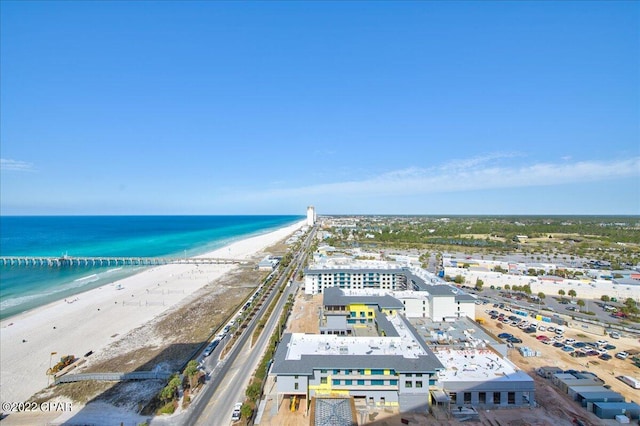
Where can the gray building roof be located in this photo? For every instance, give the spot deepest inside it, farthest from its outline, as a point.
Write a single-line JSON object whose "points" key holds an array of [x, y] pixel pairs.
{"points": [[385, 326], [334, 296], [307, 363], [465, 298]]}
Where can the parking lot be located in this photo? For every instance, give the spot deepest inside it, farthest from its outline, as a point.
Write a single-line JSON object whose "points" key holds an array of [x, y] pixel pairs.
{"points": [[565, 347]]}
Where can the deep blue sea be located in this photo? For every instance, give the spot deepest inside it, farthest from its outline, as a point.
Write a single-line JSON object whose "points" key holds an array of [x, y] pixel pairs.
{"points": [[23, 288]]}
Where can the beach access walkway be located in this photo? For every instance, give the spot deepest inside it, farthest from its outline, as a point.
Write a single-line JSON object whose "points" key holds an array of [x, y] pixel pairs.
{"points": [[112, 261]]}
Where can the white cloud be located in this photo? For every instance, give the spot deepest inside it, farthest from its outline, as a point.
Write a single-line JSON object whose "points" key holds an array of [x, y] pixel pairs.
{"points": [[463, 175], [7, 165]]}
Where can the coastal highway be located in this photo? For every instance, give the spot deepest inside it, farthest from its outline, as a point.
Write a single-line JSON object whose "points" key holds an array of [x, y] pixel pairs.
{"points": [[230, 377]]}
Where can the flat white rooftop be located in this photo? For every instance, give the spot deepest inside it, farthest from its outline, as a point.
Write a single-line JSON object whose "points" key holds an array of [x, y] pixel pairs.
{"points": [[405, 294], [474, 365], [329, 344]]}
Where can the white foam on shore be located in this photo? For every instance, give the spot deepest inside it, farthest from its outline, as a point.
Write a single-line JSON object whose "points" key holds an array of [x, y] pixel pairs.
{"points": [[100, 316]]}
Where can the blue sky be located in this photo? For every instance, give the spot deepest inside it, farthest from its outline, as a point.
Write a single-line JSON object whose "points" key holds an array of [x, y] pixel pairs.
{"points": [[356, 108]]}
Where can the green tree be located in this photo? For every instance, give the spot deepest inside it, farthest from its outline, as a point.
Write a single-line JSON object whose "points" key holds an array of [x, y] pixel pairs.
{"points": [[561, 293], [479, 284], [246, 411], [581, 303], [572, 293], [507, 287], [605, 298], [191, 371], [253, 391], [459, 279], [541, 295]]}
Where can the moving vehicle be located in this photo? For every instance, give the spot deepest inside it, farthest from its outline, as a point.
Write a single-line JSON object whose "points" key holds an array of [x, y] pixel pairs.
{"points": [[235, 416]]}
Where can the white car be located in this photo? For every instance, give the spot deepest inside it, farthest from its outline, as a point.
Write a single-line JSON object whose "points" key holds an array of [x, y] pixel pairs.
{"points": [[235, 416], [614, 335], [541, 328], [601, 342], [622, 355]]}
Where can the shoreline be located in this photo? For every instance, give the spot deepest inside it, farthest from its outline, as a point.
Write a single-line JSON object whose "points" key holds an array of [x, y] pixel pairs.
{"points": [[55, 294], [89, 321]]}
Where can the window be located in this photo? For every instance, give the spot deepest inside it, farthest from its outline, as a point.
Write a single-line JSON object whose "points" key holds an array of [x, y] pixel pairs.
{"points": [[323, 380], [347, 372], [360, 371], [323, 371], [361, 382], [418, 383], [511, 398], [377, 372], [370, 314], [482, 397], [336, 371], [335, 382], [348, 382], [408, 384], [496, 398], [467, 397], [418, 374], [377, 382], [453, 396], [295, 377], [393, 382], [409, 375], [295, 386]]}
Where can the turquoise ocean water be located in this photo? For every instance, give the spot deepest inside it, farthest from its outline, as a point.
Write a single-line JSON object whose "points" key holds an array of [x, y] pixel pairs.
{"points": [[23, 288]]}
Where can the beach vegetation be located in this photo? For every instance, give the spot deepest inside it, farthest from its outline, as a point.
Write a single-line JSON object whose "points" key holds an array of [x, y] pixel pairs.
{"points": [[246, 411], [168, 408]]}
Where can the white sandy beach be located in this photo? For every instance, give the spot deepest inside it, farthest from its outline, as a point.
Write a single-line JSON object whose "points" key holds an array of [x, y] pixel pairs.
{"points": [[92, 320]]}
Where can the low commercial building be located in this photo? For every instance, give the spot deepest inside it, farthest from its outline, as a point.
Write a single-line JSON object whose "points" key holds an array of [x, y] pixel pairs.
{"points": [[482, 378], [609, 410], [395, 369]]}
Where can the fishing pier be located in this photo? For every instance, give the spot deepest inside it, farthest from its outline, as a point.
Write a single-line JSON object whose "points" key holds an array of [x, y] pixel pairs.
{"points": [[67, 261]]}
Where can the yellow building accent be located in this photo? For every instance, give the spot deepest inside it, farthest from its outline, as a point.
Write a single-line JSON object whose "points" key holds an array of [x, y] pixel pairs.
{"points": [[367, 372], [387, 372], [327, 390], [361, 311]]}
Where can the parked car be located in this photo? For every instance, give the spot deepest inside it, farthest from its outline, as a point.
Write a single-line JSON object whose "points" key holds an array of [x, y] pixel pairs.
{"points": [[622, 355], [505, 335], [514, 340], [614, 335]]}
